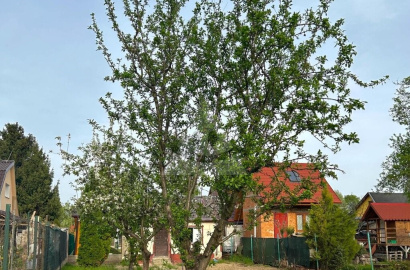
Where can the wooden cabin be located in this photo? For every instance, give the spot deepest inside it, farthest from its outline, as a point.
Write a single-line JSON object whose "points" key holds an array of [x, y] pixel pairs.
{"points": [[390, 224], [376, 197]]}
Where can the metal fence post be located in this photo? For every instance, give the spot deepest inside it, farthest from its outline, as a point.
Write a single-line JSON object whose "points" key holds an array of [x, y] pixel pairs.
{"points": [[35, 243], [232, 245], [28, 234], [44, 254], [13, 235], [317, 261], [370, 249], [278, 249], [6, 239], [252, 247]]}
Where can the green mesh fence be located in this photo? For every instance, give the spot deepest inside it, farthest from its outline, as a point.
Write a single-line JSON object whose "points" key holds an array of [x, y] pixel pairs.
{"points": [[268, 251], [55, 248], [71, 244]]}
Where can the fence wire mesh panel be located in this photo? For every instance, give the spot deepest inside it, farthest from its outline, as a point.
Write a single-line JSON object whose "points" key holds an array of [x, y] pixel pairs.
{"points": [[71, 244], [17, 254], [273, 251], [32, 245], [55, 250]]}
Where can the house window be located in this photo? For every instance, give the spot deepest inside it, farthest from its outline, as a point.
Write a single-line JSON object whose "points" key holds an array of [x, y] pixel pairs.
{"points": [[293, 176], [7, 191], [301, 220], [195, 235]]}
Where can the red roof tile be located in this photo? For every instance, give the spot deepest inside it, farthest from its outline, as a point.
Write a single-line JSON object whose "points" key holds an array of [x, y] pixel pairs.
{"points": [[389, 211], [265, 176]]}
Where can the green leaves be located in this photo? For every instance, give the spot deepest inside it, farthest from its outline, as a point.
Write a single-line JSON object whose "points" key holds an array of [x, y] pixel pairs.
{"points": [[396, 169]]}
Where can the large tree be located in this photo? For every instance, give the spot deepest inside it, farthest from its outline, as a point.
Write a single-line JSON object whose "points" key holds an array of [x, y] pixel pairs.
{"points": [[396, 169], [212, 96], [349, 202], [34, 176], [117, 185]]}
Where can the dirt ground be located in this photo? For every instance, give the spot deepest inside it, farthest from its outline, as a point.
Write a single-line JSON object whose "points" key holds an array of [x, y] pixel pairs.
{"points": [[237, 266]]}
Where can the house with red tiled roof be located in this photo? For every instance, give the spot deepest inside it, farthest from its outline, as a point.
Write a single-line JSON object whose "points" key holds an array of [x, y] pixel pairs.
{"points": [[284, 186], [390, 224], [8, 187]]}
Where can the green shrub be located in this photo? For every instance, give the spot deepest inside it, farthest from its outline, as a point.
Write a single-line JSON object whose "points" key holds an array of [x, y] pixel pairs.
{"points": [[114, 251], [364, 267], [396, 265], [290, 231], [349, 267], [94, 242]]}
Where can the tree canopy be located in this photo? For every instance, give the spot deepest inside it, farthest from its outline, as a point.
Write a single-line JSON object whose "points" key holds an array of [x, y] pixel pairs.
{"points": [[113, 179], [34, 176], [349, 202], [213, 95], [395, 174]]}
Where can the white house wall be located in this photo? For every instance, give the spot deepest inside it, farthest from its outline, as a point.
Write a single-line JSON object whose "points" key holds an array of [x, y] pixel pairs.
{"points": [[235, 240]]}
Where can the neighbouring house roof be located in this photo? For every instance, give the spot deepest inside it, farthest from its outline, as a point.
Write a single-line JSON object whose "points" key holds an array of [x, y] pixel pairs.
{"points": [[388, 197], [267, 175], [210, 205], [5, 166], [211, 209], [377, 197], [388, 211]]}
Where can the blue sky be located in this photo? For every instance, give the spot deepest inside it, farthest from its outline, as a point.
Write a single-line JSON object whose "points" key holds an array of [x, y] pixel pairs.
{"points": [[51, 77]]}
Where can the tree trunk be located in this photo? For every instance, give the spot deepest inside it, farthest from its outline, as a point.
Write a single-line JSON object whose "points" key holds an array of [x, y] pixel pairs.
{"points": [[146, 255], [131, 264], [203, 263], [133, 257], [202, 260]]}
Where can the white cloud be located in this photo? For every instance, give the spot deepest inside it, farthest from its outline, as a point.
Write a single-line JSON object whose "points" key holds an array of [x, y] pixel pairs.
{"points": [[375, 11]]}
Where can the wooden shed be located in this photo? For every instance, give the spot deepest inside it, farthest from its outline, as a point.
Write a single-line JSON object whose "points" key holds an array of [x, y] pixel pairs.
{"points": [[390, 223]]}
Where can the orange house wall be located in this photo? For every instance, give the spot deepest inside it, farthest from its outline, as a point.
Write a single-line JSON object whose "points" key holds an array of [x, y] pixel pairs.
{"points": [[292, 220], [265, 228]]}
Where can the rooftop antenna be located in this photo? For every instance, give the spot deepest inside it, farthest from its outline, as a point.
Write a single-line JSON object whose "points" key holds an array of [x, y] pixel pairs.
{"points": [[10, 155]]}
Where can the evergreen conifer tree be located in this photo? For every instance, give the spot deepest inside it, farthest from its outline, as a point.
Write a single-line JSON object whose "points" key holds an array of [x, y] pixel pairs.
{"points": [[34, 175], [334, 229], [94, 241]]}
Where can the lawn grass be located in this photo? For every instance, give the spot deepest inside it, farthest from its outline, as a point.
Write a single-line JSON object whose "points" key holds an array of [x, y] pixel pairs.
{"points": [[77, 267], [393, 265], [114, 267], [237, 259]]}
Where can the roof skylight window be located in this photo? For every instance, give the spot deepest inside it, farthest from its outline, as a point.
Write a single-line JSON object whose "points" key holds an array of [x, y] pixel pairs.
{"points": [[293, 176]]}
